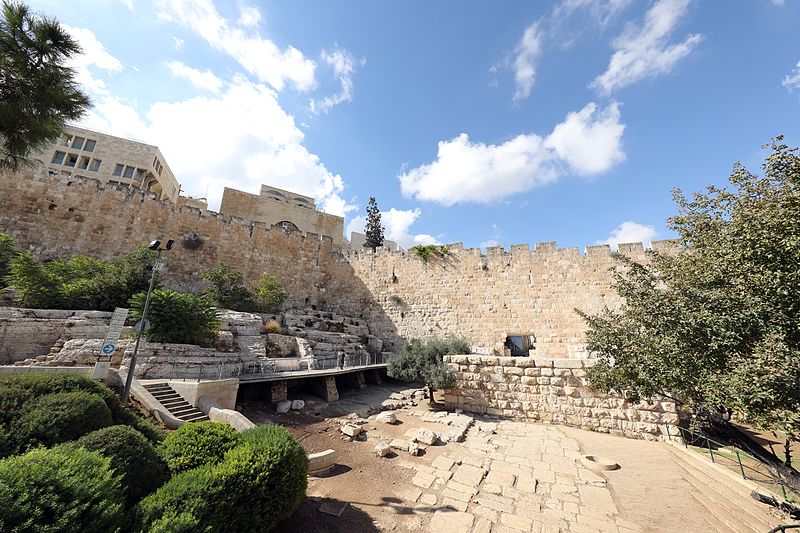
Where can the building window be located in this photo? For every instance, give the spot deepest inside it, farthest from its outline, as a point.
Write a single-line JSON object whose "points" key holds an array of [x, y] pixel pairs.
{"points": [[118, 169], [65, 139], [140, 174], [90, 144], [95, 165], [77, 142], [84, 163], [128, 172], [71, 160], [58, 157]]}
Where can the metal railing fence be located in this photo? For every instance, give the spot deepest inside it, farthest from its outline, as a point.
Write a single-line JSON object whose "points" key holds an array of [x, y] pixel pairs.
{"points": [[728, 455]]}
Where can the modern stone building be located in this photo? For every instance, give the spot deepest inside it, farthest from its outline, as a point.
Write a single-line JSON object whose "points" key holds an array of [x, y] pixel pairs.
{"points": [[110, 159], [357, 241], [278, 207]]}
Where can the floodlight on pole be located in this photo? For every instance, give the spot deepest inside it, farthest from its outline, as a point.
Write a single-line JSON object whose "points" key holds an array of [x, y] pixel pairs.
{"points": [[156, 247]]}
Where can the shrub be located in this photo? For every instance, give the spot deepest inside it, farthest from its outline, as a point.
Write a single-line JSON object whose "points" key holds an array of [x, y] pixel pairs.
{"points": [[132, 457], [273, 327], [426, 251], [177, 317], [61, 489], [257, 485], [7, 253], [60, 417], [17, 390], [198, 444], [268, 293], [421, 361], [80, 282], [226, 288]]}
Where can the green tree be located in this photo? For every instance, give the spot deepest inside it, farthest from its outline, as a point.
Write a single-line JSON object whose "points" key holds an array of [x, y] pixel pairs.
{"points": [[373, 229], [7, 253], [422, 361], [38, 93], [269, 294], [717, 325], [226, 287], [177, 317]]}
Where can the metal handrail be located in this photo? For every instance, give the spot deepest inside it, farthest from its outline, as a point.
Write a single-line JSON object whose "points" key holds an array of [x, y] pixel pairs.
{"points": [[738, 453]]}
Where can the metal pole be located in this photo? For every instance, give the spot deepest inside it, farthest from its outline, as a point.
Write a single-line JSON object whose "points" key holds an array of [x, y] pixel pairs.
{"points": [[129, 379], [739, 458], [710, 450]]}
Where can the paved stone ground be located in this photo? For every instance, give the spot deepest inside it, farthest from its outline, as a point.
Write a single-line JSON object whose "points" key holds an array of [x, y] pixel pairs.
{"points": [[510, 477]]}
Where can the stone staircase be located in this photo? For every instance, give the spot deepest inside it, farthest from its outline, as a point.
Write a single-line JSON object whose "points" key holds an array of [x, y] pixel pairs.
{"points": [[728, 503], [174, 403]]}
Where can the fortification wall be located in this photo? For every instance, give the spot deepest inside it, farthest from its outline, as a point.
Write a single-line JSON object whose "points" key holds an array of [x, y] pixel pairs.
{"points": [[484, 297], [58, 216]]}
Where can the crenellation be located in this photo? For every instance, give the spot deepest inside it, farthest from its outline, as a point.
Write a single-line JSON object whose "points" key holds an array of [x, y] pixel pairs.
{"points": [[630, 247], [598, 249]]}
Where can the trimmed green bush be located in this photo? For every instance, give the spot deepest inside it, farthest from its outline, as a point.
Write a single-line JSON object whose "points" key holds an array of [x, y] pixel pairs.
{"points": [[132, 457], [60, 417], [61, 489], [197, 444], [80, 282], [177, 317], [19, 389], [257, 485]]}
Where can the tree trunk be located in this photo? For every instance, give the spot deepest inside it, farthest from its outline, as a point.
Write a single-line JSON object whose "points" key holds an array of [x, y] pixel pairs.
{"points": [[430, 391]]}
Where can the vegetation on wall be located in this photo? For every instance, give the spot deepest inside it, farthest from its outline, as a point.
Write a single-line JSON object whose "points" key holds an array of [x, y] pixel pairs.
{"points": [[374, 229], [718, 327], [269, 294], [7, 253], [38, 88], [421, 361], [80, 282], [428, 251], [177, 317], [226, 288]]}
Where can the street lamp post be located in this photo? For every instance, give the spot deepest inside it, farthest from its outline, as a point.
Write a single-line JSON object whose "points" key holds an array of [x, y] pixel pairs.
{"points": [[155, 245]]}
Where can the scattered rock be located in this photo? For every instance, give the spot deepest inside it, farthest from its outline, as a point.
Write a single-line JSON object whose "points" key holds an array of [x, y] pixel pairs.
{"points": [[382, 449], [283, 406], [386, 417], [399, 444], [414, 448], [297, 405], [392, 405], [351, 430], [333, 508], [426, 436]]}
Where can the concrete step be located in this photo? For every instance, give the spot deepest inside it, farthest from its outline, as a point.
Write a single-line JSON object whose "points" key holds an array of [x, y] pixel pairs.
{"points": [[177, 411], [726, 496], [719, 510], [198, 416], [175, 403], [714, 523]]}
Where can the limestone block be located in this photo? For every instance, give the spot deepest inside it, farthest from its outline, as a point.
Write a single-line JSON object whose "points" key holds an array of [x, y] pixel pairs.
{"points": [[386, 417], [298, 405], [351, 430], [426, 436], [382, 449], [283, 406]]}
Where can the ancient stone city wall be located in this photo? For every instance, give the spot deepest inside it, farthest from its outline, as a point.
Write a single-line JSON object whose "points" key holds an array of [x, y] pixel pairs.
{"points": [[58, 216], [463, 292], [550, 391], [486, 297]]}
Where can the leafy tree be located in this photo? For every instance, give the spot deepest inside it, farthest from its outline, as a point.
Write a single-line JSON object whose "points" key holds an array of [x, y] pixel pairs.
{"points": [[269, 294], [226, 287], [198, 444], [38, 93], [374, 229], [177, 317], [421, 361], [716, 326], [80, 282], [7, 253]]}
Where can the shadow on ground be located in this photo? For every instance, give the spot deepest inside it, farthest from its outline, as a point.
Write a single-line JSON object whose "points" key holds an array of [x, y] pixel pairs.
{"points": [[308, 519]]}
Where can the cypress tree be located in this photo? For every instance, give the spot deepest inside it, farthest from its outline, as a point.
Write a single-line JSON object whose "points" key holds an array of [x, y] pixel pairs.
{"points": [[374, 229]]}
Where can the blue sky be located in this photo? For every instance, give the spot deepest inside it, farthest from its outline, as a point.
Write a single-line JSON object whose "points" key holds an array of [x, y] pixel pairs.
{"points": [[475, 122]]}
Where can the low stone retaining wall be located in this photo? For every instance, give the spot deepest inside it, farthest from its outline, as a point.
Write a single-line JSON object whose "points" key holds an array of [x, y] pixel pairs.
{"points": [[550, 391]]}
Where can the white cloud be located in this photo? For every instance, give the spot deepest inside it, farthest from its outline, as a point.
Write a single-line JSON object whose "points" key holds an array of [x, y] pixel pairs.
{"points": [[200, 79], [249, 16], [792, 80], [94, 55], [630, 232], [178, 42], [602, 11], [587, 142], [526, 55], [642, 52], [259, 56], [344, 66], [398, 224], [778, 2]]}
